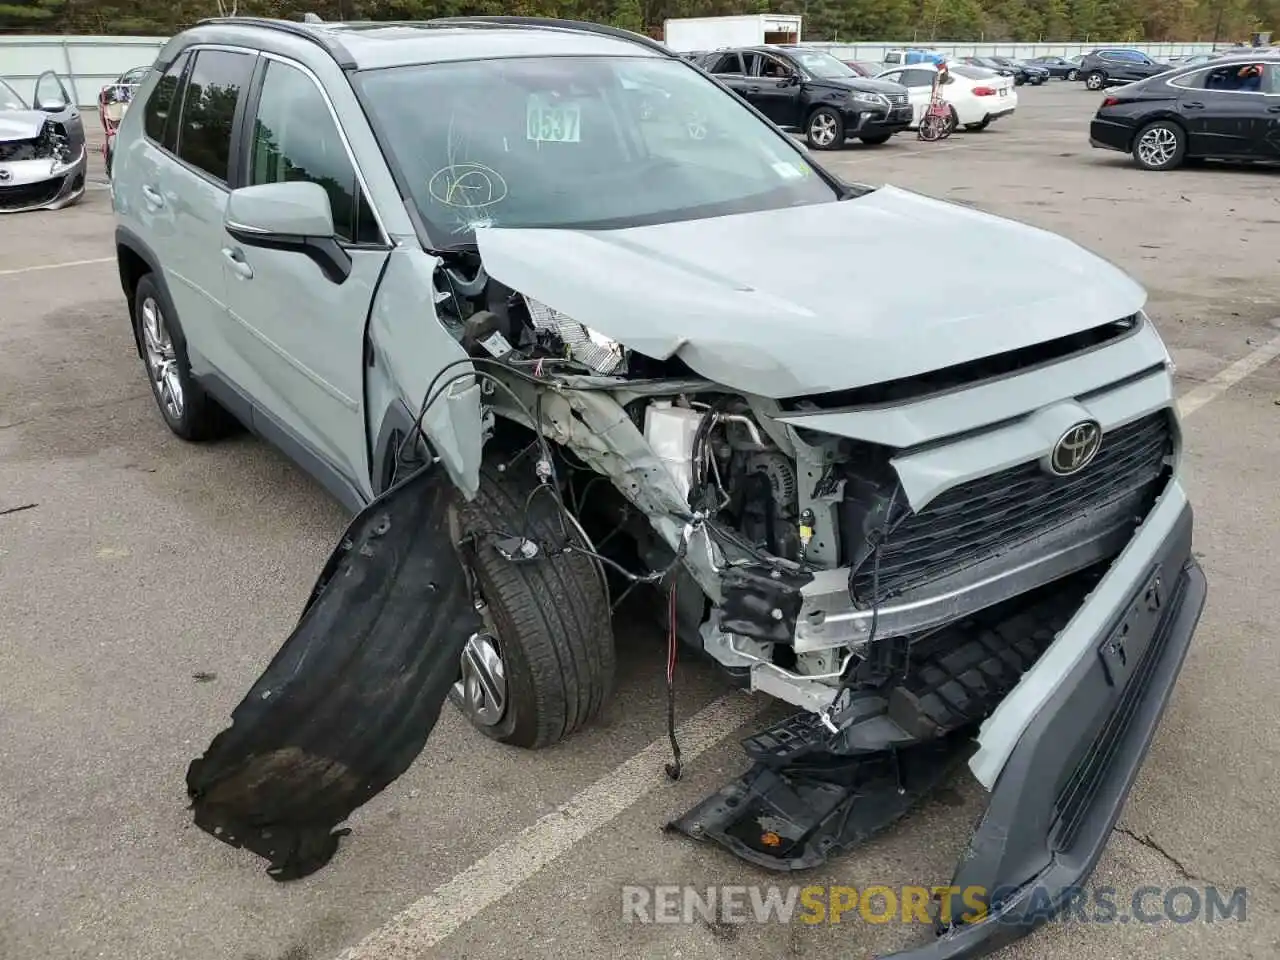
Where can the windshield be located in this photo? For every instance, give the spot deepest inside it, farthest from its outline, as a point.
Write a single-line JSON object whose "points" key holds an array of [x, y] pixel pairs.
{"points": [[9, 99], [579, 142], [822, 65]]}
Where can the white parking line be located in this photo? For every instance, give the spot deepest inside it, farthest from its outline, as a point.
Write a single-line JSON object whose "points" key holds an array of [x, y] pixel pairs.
{"points": [[437, 915], [1228, 377], [55, 266]]}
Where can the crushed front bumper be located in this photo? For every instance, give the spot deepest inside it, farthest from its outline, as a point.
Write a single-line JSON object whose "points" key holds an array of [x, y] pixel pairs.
{"points": [[41, 185], [1066, 779]]}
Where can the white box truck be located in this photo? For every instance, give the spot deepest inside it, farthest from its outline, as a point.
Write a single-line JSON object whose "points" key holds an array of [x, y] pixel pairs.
{"points": [[686, 34]]}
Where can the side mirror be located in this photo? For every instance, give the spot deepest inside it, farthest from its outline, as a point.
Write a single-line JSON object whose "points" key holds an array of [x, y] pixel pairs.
{"points": [[51, 104], [294, 216]]}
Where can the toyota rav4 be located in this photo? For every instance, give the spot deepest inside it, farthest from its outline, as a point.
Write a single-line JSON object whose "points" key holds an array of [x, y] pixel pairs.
{"points": [[565, 323]]}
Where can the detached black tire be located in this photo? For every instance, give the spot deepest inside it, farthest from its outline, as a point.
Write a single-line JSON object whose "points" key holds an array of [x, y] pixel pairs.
{"points": [[824, 130], [1096, 80], [1160, 145], [875, 139], [550, 616], [187, 410]]}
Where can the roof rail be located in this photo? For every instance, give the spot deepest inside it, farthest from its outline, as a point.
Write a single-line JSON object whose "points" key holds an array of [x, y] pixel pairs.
{"points": [[580, 26], [320, 38]]}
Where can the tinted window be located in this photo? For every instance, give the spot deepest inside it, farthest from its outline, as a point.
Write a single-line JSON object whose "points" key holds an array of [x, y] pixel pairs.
{"points": [[1237, 78], [729, 63], [214, 88], [295, 138], [918, 78], [161, 103], [775, 68]]}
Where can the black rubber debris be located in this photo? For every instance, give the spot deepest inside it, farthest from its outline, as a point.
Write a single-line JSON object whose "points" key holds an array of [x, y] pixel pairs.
{"points": [[349, 700], [796, 816]]}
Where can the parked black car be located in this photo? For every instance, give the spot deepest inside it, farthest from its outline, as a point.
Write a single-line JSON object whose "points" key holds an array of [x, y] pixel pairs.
{"points": [[1062, 68], [990, 63], [812, 91], [1108, 66], [1023, 72], [1222, 110]]}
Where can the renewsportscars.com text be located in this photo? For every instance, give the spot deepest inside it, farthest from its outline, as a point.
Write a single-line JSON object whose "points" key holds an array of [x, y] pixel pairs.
{"points": [[816, 904]]}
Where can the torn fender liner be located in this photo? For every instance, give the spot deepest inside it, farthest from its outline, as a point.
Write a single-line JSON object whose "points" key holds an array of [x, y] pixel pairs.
{"points": [[349, 700], [796, 816]]}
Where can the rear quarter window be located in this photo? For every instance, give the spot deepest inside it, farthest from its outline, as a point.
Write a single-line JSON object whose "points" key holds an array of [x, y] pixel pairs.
{"points": [[161, 103]]}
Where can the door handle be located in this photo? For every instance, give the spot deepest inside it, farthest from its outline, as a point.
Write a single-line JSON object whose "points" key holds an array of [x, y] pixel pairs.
{"points": [[153, 196], [753, 89], [1194, 105], [1275, 109], [235, 257]]}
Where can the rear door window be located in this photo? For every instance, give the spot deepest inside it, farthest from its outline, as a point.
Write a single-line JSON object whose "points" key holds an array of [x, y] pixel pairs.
{"points": [[730, 63], [214, 90], [162, 102]]}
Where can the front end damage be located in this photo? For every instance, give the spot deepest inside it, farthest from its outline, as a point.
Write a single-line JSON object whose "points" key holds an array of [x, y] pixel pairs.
{"points": [[986, 561]]}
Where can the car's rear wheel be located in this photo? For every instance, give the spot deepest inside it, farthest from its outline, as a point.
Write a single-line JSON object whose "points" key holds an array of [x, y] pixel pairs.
{"points": [[1160, 145], [825, 129], [1095, 80], [875, 139], [543, 664], [186, 408], [980, 125], [1073, 74]]}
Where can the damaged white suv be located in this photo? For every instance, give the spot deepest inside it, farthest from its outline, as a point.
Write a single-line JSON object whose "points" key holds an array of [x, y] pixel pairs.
{"points": [[566, 324]]}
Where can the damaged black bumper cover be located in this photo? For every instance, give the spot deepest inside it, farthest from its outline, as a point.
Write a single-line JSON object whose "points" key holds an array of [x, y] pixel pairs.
{"points": [[1061, 791], [349, 700]]}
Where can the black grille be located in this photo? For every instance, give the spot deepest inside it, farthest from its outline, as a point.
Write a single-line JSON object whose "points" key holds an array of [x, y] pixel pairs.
{"points": [[897, 99], [983, 518], [29, 194]]}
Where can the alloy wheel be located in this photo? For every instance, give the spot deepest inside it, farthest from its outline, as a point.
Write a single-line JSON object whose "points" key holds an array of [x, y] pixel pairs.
{"points": [[482, 688], [1094, 81], [162, 360], [822, 129], [1157, 146]]}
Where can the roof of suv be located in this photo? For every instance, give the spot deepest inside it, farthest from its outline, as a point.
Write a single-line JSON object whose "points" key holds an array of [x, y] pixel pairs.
{"points": [[371, 45]]}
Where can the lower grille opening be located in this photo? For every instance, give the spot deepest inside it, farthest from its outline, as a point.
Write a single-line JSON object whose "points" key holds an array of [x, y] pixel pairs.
{"points": [[29, 194]]}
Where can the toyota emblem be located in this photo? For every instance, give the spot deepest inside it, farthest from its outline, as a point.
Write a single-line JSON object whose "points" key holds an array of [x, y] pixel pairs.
{"points": [[5, 176], [1076, 448]]}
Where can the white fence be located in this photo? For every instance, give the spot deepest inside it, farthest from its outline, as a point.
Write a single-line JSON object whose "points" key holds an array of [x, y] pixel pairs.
{"points": [[89, 63], [86, 64], [875, 50]]}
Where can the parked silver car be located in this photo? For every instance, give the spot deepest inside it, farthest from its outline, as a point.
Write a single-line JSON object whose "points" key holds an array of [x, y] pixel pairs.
{"points": [[556, 352], [42, 152]]}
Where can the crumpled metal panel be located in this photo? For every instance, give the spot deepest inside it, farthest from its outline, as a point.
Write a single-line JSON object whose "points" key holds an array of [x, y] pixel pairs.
{"points": [[349, 700]]}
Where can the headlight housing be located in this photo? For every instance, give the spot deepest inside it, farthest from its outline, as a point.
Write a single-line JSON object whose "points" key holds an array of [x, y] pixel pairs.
{"points": [[870, 99], [593, 350]]}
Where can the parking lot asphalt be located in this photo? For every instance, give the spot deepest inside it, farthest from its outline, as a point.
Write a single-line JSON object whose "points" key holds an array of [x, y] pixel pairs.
{"points": [[145, 583]]}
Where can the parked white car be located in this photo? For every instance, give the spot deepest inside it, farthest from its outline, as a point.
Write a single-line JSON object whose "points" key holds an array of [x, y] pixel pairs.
{"points": [[977, 95]]}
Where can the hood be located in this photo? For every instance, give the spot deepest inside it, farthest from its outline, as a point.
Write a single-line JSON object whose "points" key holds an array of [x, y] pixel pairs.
{"points": [[818, 298], [863, 84], [21, 124]]}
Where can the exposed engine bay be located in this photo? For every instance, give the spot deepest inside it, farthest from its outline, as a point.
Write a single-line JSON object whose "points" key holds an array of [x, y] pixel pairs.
{"points": [[808, 562]]}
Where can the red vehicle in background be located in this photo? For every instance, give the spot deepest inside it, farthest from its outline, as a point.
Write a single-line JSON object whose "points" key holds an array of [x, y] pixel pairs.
{"points": [[113, 101]]}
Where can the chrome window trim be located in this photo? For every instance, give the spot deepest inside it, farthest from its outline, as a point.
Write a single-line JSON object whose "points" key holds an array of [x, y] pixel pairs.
{"points": [[342, 135], [1206, 67]]}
